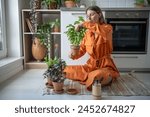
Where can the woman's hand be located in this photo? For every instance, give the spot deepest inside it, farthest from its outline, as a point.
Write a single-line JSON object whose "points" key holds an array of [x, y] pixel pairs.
{"points": [[71, 55], [78, 26]]}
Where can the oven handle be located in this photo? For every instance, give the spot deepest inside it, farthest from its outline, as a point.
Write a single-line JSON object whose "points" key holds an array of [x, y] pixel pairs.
{"points": [[78, 13], [125, 56], [127, 22]]}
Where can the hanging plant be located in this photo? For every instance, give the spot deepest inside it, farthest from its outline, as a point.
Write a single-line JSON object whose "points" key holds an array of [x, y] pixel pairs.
{"points": [[34, 4]]}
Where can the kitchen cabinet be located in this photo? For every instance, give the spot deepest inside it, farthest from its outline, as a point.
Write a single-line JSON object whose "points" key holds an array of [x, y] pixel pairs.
{"points": [[44, 15]]}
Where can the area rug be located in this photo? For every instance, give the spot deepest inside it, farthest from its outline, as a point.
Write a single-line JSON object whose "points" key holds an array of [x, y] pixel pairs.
{"points": [[126, 85]]}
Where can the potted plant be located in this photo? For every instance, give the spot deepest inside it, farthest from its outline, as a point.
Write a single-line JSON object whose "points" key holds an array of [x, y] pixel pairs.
{"points": [[71, 3], [140, 3], [56, 25], [36, 3], [55, 73], [75, 37], [50, 62], [51, 4], [42, 41]]}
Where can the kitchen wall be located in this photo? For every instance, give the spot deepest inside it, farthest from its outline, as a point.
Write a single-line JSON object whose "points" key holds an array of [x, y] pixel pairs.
{"points": [[110, 3]]}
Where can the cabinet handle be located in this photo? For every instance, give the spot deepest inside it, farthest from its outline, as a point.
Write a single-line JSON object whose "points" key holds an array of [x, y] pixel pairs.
{"points": [[78, 13], [125, 56]]}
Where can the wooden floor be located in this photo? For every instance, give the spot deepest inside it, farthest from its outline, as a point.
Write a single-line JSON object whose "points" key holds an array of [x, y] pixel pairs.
{"points": [[28, 85]]}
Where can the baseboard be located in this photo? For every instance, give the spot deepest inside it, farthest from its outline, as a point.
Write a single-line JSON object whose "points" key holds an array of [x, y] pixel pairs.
{"points": [[134, 69], [10, 69]]}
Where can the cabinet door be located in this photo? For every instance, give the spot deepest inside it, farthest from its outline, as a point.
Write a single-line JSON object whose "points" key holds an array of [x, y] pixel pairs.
{"points": [[68, 17]]}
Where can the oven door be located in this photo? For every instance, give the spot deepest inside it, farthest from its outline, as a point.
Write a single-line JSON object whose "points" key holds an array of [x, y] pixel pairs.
{"points": [[129, 36]]}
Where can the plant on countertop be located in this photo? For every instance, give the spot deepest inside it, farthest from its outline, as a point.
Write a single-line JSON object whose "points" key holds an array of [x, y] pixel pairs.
{"points": [[140, 2], [52, 3], [71, 3], [73, 0], [75, 37]]}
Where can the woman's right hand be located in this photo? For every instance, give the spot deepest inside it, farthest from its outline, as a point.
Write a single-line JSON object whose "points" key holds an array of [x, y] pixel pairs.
{"points": [[78, 26]]}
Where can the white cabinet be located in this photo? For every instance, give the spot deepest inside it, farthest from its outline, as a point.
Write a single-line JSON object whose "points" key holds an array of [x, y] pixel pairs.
{"points": [[68, 17], [131, 61]]}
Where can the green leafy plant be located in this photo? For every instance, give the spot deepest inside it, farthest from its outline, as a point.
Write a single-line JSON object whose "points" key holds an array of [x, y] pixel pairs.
{"points": [[56, 25], [55, 69], [44, 33], [74, 36], [48, 2], [139, 2], [56, 22], [73, 0]]}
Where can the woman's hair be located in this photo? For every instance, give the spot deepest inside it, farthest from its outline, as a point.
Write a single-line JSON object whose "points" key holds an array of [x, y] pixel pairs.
{"points": [[98, 11]]}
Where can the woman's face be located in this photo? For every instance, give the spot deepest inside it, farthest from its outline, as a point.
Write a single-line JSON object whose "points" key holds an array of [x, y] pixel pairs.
{"points": [[92, 16]]}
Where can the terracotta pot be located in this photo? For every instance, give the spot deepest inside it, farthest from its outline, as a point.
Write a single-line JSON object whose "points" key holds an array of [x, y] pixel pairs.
{"points": [[70, 4], [38, 50], [53, 5], [48, 82], [58, 86], [74, 49], [56, 29]]}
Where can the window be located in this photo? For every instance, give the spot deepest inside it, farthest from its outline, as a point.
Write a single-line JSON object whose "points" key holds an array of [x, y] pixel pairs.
{"points": [[3, 50]]}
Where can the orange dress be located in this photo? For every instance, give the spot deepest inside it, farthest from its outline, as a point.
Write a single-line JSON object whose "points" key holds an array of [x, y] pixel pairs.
{"points": [[97, 42]]}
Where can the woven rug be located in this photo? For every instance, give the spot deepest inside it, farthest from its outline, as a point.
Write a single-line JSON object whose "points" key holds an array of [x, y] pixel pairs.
{"points": [[126, 85]]}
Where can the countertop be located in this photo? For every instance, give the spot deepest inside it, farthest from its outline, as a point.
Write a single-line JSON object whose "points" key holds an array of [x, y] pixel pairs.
{"points": [[109, 9]]}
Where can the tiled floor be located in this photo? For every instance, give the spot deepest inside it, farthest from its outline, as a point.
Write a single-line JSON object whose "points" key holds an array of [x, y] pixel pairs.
{"points": [[28, 84]]}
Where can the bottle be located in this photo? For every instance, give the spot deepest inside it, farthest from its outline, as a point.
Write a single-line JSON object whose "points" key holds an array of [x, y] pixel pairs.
{"points": [[96, 88]]}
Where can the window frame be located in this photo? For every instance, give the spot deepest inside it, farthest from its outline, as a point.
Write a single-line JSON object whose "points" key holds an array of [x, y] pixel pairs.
{"points": [[3, 52]]}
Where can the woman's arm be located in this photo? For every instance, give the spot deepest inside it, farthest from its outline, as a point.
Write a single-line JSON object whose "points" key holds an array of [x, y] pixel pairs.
{"points": [[78, 26], [109, 37], [81, 52]]}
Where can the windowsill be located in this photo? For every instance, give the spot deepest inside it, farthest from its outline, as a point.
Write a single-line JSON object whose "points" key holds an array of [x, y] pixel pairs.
{"points": [[8, 60], [10, 66]]}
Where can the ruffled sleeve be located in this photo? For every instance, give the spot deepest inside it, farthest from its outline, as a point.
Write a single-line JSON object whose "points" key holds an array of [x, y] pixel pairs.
{"points": [[109, 30]]}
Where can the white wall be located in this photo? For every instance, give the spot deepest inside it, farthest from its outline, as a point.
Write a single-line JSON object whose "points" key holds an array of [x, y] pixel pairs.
{"points": [[111, 3], [13, 26], [14, 63]]}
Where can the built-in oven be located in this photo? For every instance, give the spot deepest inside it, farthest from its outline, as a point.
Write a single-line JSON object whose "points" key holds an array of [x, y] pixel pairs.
{"points": [[130, 30]]}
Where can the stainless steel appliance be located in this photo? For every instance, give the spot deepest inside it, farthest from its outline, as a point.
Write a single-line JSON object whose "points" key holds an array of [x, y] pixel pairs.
{"points": [[130, 30]]}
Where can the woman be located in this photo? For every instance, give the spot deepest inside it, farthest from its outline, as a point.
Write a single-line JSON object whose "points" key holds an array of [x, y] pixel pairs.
{"points": [[97, 42]]}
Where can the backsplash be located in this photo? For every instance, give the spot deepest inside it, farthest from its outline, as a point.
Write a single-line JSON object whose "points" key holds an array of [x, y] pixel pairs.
{"points": [[110, 3]]}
